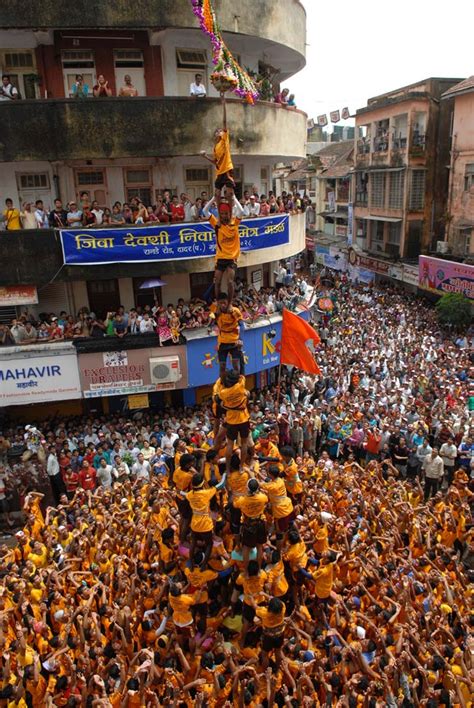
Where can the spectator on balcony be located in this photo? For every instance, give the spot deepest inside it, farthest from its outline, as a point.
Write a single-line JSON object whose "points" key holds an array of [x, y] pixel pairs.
{"points": [[74, 216], [187, 206], [282, 97], [28, 218], [30, 335], [291, 101], [197, 213], [264, 206], [40, 215], [197, 88], [147, 324], [58, 216], [79, 88], [252, 209], [6, 339], [11, 216], [117, 218], [17, 330], [162, 211], [8, 92], [177, 209], [98, 213], [102, 88], [88, 218], [128, 89]]}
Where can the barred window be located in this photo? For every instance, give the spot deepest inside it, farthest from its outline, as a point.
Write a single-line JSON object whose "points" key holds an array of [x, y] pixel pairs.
{"points": [[397, 183], [417, 191], [394, 232], [377, 190]]}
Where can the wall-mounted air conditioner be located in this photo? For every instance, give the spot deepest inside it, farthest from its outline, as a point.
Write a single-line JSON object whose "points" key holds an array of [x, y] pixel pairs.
{"points": [[165, 369]]}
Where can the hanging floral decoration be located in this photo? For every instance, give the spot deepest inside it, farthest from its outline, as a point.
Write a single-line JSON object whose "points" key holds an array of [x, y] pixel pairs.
{"points": [[227, 75]]}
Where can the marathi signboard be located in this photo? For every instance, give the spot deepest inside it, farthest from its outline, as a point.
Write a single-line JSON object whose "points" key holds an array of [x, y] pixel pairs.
{"points": [[166, 242], [440, 276], [11, 295], [29, 377]]}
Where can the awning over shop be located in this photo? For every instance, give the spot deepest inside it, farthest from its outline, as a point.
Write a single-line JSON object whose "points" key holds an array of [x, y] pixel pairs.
{"points": [[381, 218]]}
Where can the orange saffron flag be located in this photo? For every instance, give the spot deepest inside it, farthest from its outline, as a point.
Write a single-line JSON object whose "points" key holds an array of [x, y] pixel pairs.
{"points": [[294, 349]]}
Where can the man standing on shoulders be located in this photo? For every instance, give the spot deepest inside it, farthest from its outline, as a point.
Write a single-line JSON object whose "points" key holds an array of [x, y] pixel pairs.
{"points": [[231, 328]]}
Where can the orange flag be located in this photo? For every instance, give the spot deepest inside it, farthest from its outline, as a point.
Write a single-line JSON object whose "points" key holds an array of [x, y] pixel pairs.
{"points": [[294, 350]]}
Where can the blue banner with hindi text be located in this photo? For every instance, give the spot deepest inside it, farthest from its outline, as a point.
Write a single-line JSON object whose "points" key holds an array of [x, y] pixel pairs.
{"points": [[166, 242]]}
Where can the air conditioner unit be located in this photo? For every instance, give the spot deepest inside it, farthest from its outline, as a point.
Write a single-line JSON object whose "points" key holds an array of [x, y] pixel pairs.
{"points": [[441, 246], [165, 369]]}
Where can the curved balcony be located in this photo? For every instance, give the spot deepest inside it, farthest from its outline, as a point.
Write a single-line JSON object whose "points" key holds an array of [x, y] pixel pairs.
{"points": [[35, 257], [282, 22], [64, 129]]}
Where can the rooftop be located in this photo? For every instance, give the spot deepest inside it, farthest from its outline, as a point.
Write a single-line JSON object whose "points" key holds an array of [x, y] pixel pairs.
{"points": [[465, 86], [432, 88]]}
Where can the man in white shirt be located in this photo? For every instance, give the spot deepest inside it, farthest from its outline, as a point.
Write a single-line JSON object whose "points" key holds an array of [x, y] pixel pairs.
{"points": [[434, 470], [147, 324], [142, 468], [197, 88], [8, 92], [106, 474], [54, 474], [252, 209], [167, 442], [98, 213], [41, 215], [280, 276], [423, 450], [448, 453]]}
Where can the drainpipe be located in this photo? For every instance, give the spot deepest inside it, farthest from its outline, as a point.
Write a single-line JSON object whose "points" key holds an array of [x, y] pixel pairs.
{"points": [[454, 157], [57, 190]]}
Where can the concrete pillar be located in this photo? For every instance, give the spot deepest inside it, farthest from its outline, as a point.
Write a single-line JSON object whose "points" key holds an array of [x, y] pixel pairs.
{"points": [[177, 285], [127, 296]]}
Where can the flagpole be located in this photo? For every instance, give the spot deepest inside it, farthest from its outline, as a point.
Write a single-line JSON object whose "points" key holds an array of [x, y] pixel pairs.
{"points": [[279, 386]]}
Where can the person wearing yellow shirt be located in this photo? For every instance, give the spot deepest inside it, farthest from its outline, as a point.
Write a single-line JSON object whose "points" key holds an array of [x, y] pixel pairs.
{"points": [[11, 216], [276, 582], [296, 554], [202, 525], [293, 484], [251, 583], [39, 555], [180, 604], [280, 503], [234, 398], [236, 486], [323, 576], [182, 478], [254, 532], [230, 328], [226, 228], [272, 618]]}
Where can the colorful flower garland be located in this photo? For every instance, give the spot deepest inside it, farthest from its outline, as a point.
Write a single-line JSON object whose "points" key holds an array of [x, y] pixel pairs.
{"points": [[228, 75]]}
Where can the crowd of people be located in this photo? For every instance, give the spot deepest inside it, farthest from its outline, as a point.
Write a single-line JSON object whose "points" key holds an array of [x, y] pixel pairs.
{"points": [[169, 209], [302, 546], [169, 323]]}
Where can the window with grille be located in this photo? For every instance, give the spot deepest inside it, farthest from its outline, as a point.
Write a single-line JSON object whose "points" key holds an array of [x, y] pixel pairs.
{"points": [[377, 231], [191, 59], [417, 191], [377, 189], [34, 180], [361, 188], [78, 59], [141, 193], [92, 177], [197, 174], [138, 176], [394, 231], [469, 176], [128, 58], [19, 59], [397, 183]]}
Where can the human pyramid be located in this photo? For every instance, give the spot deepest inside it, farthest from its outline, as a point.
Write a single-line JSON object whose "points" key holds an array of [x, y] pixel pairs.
{"points": [[238, 572]]}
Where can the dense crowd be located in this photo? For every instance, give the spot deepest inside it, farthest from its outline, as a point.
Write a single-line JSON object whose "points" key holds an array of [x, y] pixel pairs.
{"points": [[331, 565], [169, 323], [169, 209]]}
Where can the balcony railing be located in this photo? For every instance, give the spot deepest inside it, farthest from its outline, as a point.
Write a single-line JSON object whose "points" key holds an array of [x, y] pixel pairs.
{"points": [[363, 147], [342, 195], [381, 143], [399, 143], [418, 141], [65, 129]]}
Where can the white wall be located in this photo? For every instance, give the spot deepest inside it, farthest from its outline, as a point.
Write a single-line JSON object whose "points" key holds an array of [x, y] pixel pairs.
{"points": [[8, 181], [127, 297], [79, 295], [177, 286]]}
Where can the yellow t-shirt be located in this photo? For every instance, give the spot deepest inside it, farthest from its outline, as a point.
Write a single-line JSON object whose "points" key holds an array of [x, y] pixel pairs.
{"points": [[182, 479], [12, 219], [293, 482], [270, 620], [199, 500], [252, 586], [234, 401], [277, 580], [227, 239], [252, 506], [296, 556], [279, 500], [180, 606], [323, 577], [222, 154], [228, 324]]}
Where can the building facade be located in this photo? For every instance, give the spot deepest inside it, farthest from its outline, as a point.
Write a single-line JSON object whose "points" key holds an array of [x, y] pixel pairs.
{"points": [[116, 148], [460, 227], [401, 153]]}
